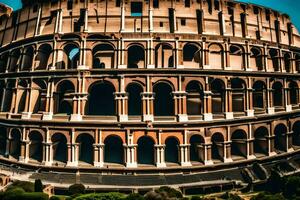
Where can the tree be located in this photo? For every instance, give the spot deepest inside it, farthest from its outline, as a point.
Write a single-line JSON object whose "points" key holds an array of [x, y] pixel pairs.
{"points": [[76, 189], [38, 185]]}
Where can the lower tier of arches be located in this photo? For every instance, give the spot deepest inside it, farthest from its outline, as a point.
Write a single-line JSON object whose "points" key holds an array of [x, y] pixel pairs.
{"points": [[131, 148]]}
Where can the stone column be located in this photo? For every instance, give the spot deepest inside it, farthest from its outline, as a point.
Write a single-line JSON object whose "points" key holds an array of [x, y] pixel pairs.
{"points": [[180, 105], [71, 155], [121, 99], [286, 100], [226, 56], [48, 154], [98, 155], [249, 98], [48, 114], [289, 145], [227, 151], [7, 148], [184, 157], [130, 155], [207, 154], [265, 58], [178, 55], [207, 101], [249, 142], [122, 17], [247, 57], [121, 54], [83, 55], [228, 102], [205, 54], [150, 54], [160, 155], [271, 145], [26, 114], [270, 107]]}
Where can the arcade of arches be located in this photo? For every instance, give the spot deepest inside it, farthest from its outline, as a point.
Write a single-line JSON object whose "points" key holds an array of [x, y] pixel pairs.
{"points": [[145, 149]]}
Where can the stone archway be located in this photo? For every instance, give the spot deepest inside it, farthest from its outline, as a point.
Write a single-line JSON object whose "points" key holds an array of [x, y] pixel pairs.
{"points": [[113, 150], [15, 144], [261, 141], [163, 102], [145, 150], [36, 146], [86, 149], [59, 147], [172, 150], [280, 132], [239, 144], [217, 148], [197, 148]]}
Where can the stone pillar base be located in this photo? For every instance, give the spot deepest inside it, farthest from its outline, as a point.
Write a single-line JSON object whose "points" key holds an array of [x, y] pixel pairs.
{"points": [[208, 116], [26, 115], [123, 118], [148, 118], [98, 164], [122, 66], [48, 163], [131, 165], [208, 162], [22, 159], [229, 115], [160, 165], [272, 153], [82, 67], [206, 66], [249, 70], [183, 118], [76, 117], [288, 108], [228, 68], [227, 160], [52, 68], [72, 164], [47, 116], [271, 110], [250, 113], [251, 157], [290, 150], [186, 164], [180, 67], [150, 66]]}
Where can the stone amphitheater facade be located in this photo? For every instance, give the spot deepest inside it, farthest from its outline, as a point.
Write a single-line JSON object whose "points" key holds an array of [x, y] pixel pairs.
{"points": [[147, 85]]}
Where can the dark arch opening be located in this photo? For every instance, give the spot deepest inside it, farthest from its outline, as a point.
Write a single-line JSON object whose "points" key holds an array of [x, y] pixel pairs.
{"points": [[14, 60], [15, 144], [164, 56], [64, 97], [113, 150], [136, 57], [256, 54], [171, 150], [293, 93], [36, 146], [197, 148], [191, 52], [163, 102], [238, 95], [72, 52], [86, 149], [287, 62], [217, 148], [103, 56], [239, 143], [259, 89], [275, 60], [194, 98], [3, 62], [261, 141], [101, 99], [236, 56], [23, 88], [218, 96], [43, 56], [27, 58], [134, 91], [3, 140], [296, 134], [280, 137], [277, 94], [145, 150], [59, 147]]}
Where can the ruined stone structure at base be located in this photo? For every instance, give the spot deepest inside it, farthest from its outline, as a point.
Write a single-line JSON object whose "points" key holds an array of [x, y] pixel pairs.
{"points": [[147, 85]]}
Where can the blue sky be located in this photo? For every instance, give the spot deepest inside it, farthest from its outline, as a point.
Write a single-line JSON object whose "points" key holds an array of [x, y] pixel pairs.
{"points": [[291, 7]]}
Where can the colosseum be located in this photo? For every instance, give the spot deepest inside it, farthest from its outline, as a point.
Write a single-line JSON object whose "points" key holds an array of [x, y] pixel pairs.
{"points": [[130, 93]]}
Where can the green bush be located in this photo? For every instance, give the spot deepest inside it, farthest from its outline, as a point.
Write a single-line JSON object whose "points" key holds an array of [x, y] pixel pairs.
{"points": [[25, 185], [34, 196], [59, 197], [171, 192], [196, 198], [265, 196], [134, 196], [76, 189], [38, 185], [101, 196], [292, 187]]}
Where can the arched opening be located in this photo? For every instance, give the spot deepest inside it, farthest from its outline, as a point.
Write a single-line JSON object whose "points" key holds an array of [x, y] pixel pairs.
{"points": [[101, 99], [14, 60], [39, 96], [136, 57], [274, 59], [256, 59], [27, 58], [70, 58], [197, 148], [134, 91], [293, 91], [277, 94], [36, 146], [259, 93], [287, 62], [113, 150], [64, 97], [217, 148], [43, 57], [7, 104], [164, 56], [218, 96], [191, 55], [171, 150], [15, 144], [239, 144], [59, 147], [194, 99], [163, 102], [22, 94], [280, 132], [86, 149], [145, 150], [215, 56], [297, 62], [261, 141], [3, 62], [238, 95], [3, 140], [296, 135], [236, 54], [103, 56]]}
